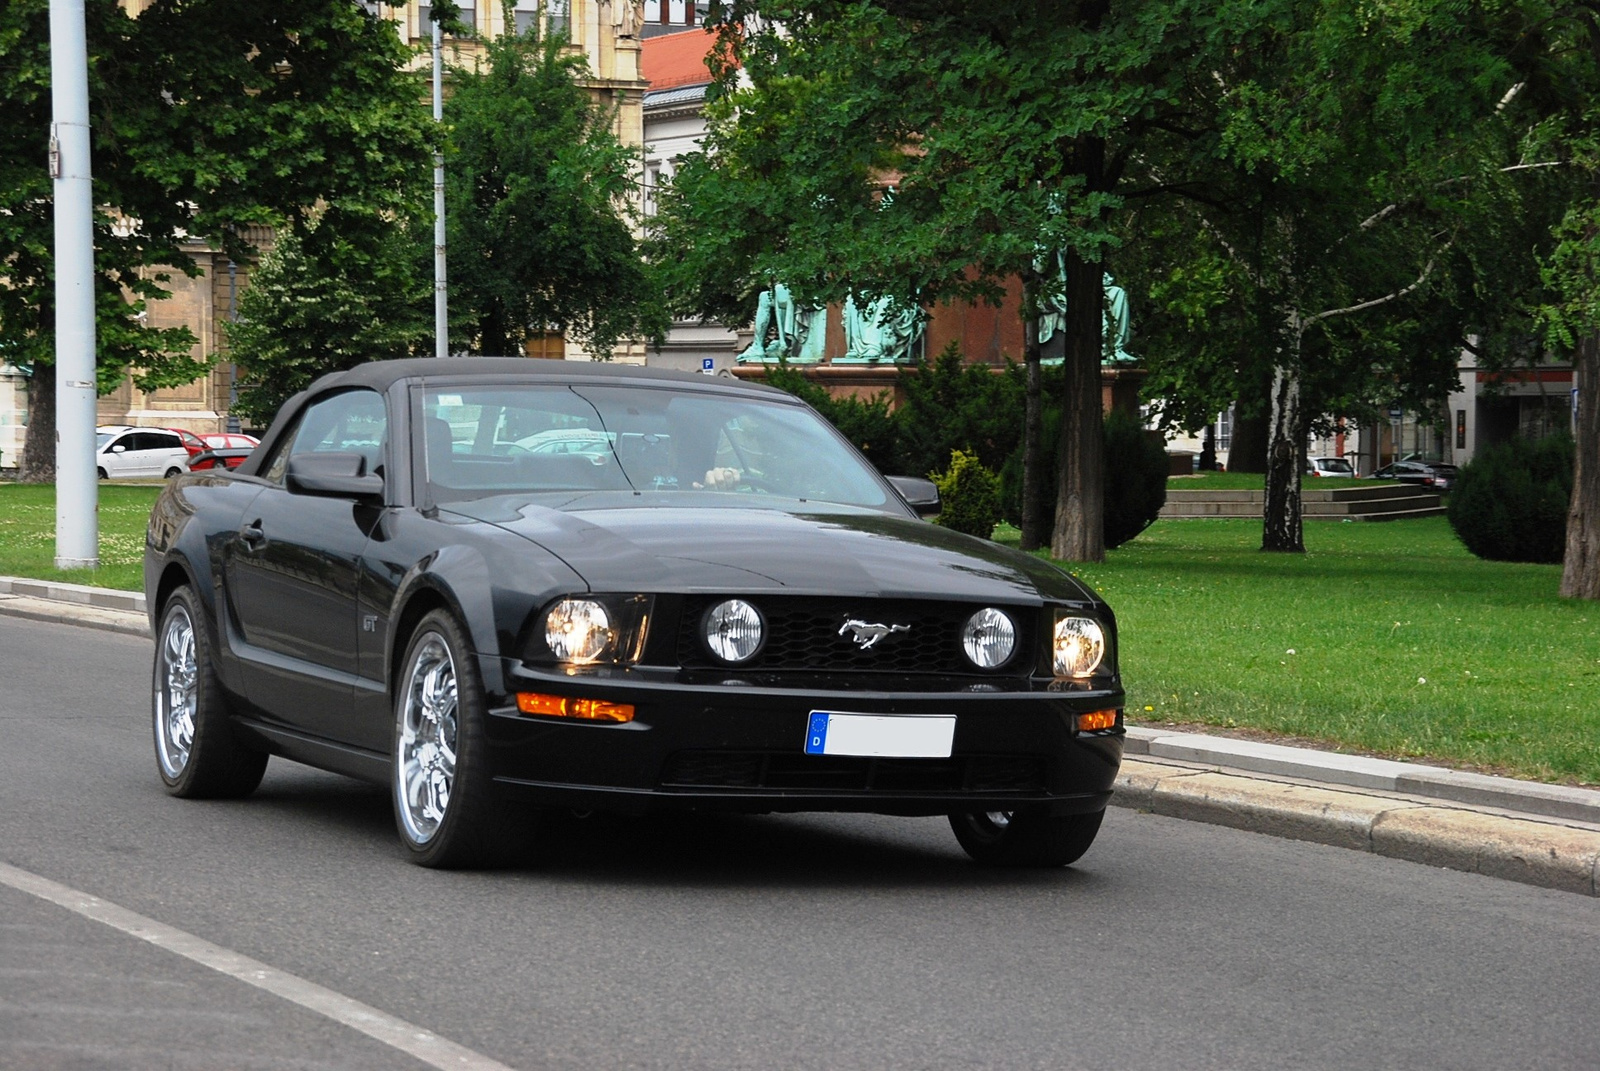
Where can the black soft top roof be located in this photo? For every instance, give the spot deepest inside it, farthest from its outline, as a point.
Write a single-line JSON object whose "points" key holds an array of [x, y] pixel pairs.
{"points": [[380, 375]]}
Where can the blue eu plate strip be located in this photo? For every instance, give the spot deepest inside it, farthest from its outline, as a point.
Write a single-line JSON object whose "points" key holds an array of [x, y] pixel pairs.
{"points": [[817, 733]]}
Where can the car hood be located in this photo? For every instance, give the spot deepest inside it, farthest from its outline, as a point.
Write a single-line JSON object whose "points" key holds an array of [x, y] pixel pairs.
{"points": [[735, 548]]}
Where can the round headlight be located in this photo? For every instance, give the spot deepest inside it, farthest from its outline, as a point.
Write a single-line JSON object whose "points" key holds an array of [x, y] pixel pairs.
{"points": [[1080, 644], [578, 630], [989, 637], [734, 630]]}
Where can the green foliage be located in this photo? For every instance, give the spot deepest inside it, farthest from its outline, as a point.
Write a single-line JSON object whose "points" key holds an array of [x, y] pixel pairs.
{"points": [[208, 118], [538, 189], [969, 495], [1510, 502], [1136, 478], [949, 406], [346, 293]]}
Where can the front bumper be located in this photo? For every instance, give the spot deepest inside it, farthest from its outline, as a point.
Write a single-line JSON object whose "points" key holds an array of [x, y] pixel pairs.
{"points": [[739, 747]]}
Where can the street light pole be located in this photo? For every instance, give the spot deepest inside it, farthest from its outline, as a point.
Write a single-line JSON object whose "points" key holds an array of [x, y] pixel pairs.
{"points": [[441, 313], [77, 489]]}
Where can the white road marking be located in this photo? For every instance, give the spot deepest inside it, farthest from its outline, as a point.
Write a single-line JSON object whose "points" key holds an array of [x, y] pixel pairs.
{"points": [[412, 1040]]}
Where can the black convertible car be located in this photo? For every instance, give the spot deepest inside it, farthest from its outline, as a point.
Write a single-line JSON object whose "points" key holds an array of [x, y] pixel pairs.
{"points": [[505, 587]]}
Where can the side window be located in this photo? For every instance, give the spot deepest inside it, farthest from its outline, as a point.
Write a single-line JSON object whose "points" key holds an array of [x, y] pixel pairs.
{"points": [[350, 422], [162, 440]]}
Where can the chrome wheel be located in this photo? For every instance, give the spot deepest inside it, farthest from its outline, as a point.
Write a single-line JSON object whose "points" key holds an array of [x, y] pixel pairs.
{"points": [[176, 692], [426, 755]]}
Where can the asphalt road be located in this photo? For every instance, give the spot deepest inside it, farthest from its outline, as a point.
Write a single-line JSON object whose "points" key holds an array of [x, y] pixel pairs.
{"points": [[828, 942]]}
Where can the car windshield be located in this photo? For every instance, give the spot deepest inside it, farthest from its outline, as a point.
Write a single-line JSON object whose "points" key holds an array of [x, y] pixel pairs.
{"points": [[519, 438], [1336, 464], [102, 438]]}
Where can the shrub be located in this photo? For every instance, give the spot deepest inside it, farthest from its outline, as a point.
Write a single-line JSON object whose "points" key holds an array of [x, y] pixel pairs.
{"points": [[969, 496], [1135, 477], [954, 406], [1510, 502]]}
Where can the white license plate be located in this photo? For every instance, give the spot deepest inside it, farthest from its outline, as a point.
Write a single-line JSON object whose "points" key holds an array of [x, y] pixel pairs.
{"points": [[901, 736]]}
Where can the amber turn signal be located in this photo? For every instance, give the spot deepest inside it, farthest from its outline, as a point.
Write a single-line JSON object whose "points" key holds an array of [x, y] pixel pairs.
{"points": [[1100, 719], [560, 706]]}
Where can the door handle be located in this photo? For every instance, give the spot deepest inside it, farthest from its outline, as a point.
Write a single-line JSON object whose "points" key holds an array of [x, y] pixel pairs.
{"points": [[252, 534]]}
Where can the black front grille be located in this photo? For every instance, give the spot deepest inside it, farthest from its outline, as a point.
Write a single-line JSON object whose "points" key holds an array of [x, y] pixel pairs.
{"points": [[805, 634], [791, 771]]}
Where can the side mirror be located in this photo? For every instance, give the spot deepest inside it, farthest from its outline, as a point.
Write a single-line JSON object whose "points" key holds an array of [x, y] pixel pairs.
{"points": [[118, 449], [339, 475], [921, 495]]}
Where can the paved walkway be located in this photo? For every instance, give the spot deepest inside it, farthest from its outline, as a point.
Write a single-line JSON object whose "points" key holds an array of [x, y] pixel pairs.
{"points": [[1523, 831]]}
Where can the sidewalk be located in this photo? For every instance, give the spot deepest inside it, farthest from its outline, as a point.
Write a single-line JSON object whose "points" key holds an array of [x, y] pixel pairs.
{"points": [[1537, 834]]}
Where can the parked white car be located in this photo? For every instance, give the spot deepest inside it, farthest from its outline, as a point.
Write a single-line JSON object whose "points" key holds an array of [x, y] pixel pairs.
{"points": [[122, 451], [1330, 466]]}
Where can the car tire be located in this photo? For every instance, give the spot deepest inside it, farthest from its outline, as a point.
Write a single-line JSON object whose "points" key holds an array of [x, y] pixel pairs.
{"points": [[101, 473], [197, 752], [171, 473], [1025, 838], [440, 784]]}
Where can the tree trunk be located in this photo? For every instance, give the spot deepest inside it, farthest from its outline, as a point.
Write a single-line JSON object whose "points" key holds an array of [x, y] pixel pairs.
{"points": [[1286, 458], [1079, 534], [1247, 449], [39, 448], [1580, 571], [1032, 421]]}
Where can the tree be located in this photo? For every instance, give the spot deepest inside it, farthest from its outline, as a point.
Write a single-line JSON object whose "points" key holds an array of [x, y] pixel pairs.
{"points": [[1002, 129], [538, 205], [342, 292], [1573, 321], [208, 118], [1332, 184]]}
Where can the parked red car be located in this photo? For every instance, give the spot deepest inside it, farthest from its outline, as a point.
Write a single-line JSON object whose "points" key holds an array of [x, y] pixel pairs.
{"points": [[213, 448]]}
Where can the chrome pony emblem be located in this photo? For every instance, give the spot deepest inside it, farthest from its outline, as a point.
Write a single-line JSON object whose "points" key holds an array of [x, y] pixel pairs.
{"points": [[866, 633]]}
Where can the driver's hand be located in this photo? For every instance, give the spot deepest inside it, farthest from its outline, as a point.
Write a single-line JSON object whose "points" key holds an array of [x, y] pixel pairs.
{"points": [[721, 479]]}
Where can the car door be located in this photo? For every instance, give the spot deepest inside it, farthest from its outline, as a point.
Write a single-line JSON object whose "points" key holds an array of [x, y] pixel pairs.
{"points": [[120, 457], [140, 457], [164, 452], [292, 573]]}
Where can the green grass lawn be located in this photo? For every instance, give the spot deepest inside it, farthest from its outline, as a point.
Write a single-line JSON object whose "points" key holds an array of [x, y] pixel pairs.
{"points": [[1255, 481], [1386, 638], [28, 534]]}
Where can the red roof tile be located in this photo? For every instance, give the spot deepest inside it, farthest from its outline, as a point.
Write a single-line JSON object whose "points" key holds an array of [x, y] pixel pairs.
{"points": [[676, 59]]}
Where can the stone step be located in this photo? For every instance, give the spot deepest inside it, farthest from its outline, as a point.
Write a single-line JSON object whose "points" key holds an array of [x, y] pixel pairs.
{"points": [[1382, 502]]}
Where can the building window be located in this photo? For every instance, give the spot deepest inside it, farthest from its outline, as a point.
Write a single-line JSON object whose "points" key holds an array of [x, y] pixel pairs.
{"points": [[1225, 429], [527, 15], [558, 15], [652, 183], [469, 18], [652, 11], [678, 12]]}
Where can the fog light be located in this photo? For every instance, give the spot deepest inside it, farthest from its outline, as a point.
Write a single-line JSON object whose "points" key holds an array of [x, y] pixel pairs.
{"points": [[1100, 719], [561, 706], [734, 631], [988, 637]]}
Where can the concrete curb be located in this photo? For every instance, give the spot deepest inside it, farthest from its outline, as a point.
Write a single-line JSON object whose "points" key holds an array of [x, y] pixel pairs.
{"points": [[1546, 835], [129, 622], [1358, 771], [1533, 851]]}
